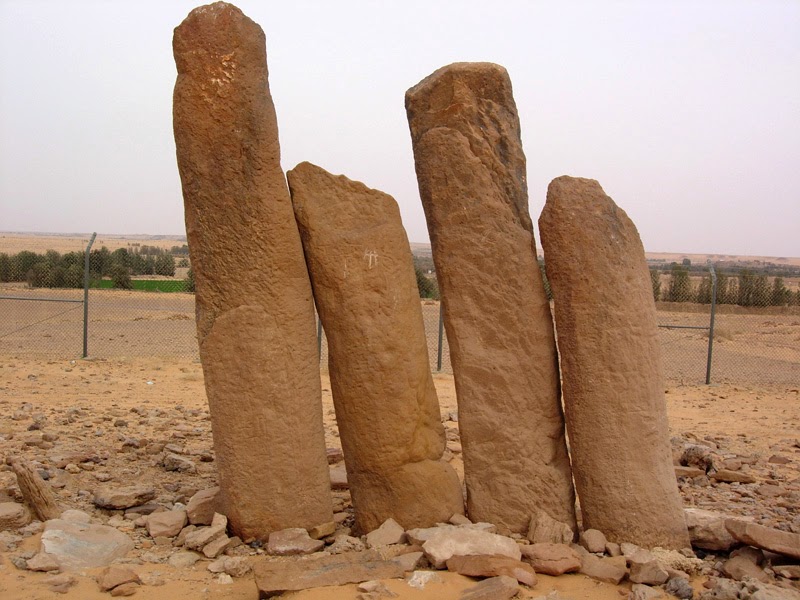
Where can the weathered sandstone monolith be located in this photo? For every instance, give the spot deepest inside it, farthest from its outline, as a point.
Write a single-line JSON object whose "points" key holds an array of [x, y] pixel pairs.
{"points": [[255, 314], [366, 292], [611, 367], [471, 174]]}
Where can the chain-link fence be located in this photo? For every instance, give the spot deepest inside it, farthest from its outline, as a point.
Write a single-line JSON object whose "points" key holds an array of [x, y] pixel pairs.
{"points": [[754, 314], [140, 303]]}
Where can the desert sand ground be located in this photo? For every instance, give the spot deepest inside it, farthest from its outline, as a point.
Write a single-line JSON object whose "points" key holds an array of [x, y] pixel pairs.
{"points": [[163, 400]]}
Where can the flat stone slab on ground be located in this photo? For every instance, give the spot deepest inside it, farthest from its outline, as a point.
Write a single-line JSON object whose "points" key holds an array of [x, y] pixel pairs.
{"points": [[496, 588], [83, 546], [124, 497], [460, 541], [273, 577], [774, 540]]}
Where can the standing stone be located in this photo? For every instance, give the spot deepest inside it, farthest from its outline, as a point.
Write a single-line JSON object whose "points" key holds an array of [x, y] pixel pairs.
{"points": [[471, 173], [255, 314], [611, 367], [366, 292]]}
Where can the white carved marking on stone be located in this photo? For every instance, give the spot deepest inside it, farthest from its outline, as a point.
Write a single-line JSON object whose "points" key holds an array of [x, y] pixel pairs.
{"points": [[372, 257]]}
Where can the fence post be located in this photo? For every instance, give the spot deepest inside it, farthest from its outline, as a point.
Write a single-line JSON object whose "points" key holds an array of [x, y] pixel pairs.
{"points": [[441, 337], [86, 297], [711, 323]]}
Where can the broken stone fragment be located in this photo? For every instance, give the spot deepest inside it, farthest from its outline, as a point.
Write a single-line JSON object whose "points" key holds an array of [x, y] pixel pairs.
{"points": [[202, 536], [593, 540], [292, 541], [496, 588], [13, 515], [82, 545], [390, 532], [125, 497], [116, 575], [460, 541], [707, 529], [202, 506], [481, 565], [168, 523], [551, 559], [544, 529], [774, 540]]}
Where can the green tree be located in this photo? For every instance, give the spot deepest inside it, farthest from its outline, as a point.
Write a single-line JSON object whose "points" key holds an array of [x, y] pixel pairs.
{"points": [[679, 288], [73, 276], [121, 277], [22, 263], [190, 281], [704, 290], [165, 265], [655, 281], [780, 294], [5, 267], [183, 263], [427, 287]]}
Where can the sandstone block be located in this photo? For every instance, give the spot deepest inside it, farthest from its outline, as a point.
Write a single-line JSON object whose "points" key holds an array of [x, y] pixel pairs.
{"points": [[470, 168], [273, 577], [767, 538], [496, 588], [390, 532], [447, 543], [168, 523], [13, 515], [608, 569], [292, 541], [593, 540], [551, 559], [83, 546], [255, 315], [114, 576], [611, 367], [481, 565], [125, 497], [543, 529], [365, 289], [707, 529], [202, 506]]}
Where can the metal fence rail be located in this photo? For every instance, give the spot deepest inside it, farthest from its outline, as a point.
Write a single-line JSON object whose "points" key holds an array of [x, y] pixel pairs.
{"points": [[706, 333]]}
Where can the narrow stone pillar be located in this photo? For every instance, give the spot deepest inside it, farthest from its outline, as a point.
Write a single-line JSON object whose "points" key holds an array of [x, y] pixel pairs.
{"points": [[471, 174], [611, 367], [366, 292], [255, 314]]}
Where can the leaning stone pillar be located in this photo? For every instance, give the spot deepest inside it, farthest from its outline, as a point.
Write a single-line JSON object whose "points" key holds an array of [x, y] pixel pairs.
{"points": [[255, 314], [611, 367], [471, 173], [366, 292]]}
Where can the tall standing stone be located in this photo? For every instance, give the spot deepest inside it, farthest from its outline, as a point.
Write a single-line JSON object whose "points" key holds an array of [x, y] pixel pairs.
{"points": [[366, 292], [611, 367], [471, 173], [255, 314]]}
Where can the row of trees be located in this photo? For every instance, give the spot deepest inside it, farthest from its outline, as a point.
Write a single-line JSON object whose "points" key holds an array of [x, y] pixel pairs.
{"points": [[745, 289], [55, 270]]}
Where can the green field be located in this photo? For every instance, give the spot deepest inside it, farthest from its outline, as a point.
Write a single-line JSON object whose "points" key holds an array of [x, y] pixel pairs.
{"points": [[147, 285]]}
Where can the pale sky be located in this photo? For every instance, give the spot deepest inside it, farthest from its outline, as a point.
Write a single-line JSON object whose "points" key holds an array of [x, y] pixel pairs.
{"points": [[686, 112]]}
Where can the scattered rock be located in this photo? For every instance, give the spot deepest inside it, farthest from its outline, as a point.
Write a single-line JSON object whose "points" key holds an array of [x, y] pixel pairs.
{"points": [[13, 515], [183, 559], [680, 588], [707, 529], [649, 572], [82, 545], [276, 576], [593, 540], [122, 498], [321, 531], [338, 475], [496, 588], [126, 589], [202, 536], [644, 592], [292, 541], [726, 476], [115, 576], [774, 540], [419, 579], [543, 529], [168, 523], [461, 541], [390, 532], [175, 462], [60, 584], [42, 562], [492, 566], [202, 506], [235, 566], [741, 567], [608, 569], [551, 559]]}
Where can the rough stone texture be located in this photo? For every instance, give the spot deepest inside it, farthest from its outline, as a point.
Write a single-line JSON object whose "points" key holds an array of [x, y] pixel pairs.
{"points": [[649, 573], [255, 314], [124, 497], [551, 559], [167, 523], [543, 529], [273, 577], [460, 541], [83, 546], [197, 539], [13, 515], [362, 273], [202, 506], [114, 576], [740, 568], [292, 541], [774, 540], [611, 367], [390, 532], [608, 569], [593, 540], [496, 588], [707, 529], [471, 173], [482, 565]]}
